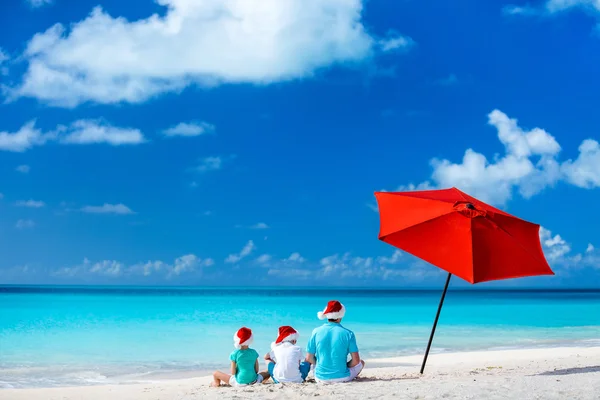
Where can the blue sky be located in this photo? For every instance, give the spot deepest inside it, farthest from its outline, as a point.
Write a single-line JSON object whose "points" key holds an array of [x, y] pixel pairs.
{"points": [[222, 143]]}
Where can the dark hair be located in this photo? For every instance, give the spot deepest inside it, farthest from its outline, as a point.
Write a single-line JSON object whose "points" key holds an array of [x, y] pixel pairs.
{"points": [[333, 320]]}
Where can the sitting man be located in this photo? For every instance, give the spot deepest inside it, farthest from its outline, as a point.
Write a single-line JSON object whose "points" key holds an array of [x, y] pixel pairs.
{"points": [[329, 346]]}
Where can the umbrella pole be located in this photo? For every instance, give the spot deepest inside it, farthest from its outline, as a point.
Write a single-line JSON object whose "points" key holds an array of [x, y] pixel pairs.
{"points": [[437, 316]]}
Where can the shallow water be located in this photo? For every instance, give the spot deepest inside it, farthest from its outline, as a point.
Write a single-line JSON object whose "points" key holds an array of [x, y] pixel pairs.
{"points": [[54, 336]]}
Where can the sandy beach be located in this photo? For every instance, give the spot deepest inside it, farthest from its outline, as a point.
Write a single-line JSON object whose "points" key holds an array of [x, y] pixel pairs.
{"points": [[553, 373]]}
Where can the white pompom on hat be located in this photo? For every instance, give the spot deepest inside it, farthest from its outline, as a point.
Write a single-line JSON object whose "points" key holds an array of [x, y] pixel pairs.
{"points": [[334, 310], [243, 337]]}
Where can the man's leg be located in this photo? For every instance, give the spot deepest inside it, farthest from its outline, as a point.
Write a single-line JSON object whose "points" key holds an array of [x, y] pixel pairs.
{"points": [[304, 369], [356, 370]]}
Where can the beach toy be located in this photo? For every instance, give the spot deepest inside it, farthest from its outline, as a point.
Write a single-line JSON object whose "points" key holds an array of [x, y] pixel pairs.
{"points": [[461, 235]]}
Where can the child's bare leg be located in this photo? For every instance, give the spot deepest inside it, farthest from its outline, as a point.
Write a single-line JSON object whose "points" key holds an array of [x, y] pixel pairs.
{"points": [[219, 376], [265, 376]]}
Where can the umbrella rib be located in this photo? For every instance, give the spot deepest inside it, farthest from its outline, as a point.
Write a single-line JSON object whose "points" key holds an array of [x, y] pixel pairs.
{"points": [[419, 223], [526, 249]]}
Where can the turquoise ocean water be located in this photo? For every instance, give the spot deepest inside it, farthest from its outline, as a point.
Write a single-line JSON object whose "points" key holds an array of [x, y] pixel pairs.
{"points": [[54, 336]]}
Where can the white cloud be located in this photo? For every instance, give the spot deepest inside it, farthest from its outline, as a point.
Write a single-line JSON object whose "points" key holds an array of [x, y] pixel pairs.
{"points": [[563, 5], [24, 169], [189, 129], [554, 247], [294, 260], [245, 252], [260, 225], [39, 3], [584, 172], [112, 268], [24, 224], [264, 259], [80, 132], [108, 59], [520, 10], [560, 255], [106, 208], [209, 164], [3, 58], [394, 42], [23, 139], [529, 165], [94, 132], [30, 203]]}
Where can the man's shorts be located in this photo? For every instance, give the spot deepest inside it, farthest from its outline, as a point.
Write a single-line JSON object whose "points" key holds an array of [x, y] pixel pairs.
{"points": [[354, 371]]}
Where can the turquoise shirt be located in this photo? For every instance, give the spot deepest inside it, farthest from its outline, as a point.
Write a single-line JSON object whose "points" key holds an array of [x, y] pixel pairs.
{"points": [[245, 361], [331, 344]]}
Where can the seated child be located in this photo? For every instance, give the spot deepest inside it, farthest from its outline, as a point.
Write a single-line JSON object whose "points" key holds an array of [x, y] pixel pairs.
{"points": [[285, 360], [244, 363]]}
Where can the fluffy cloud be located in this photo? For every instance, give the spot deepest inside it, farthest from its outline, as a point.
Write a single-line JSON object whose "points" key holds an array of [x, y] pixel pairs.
{"points": [[24, 169], [529, 165], [23, 139], [93, 132], [108, 59], [293, 261], [189, 129], [555, 247], [30, 203], [79, 132], [3, 58], [207, 164], [245, 252], [519, 10], [112, 268], [563, 5], [24, 224], [345, 268], [585, 170], [551, 7], [260, 226], [119, 209], [39, 3], [560, 255], [395, 42]]}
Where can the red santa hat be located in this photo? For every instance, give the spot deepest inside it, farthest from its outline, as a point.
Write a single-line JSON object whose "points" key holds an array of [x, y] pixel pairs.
{"points": [[286, 334], [334, 310], [243, 337]]}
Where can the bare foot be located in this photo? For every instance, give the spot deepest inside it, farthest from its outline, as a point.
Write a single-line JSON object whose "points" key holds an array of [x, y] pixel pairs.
{"points": [[214, 384]]}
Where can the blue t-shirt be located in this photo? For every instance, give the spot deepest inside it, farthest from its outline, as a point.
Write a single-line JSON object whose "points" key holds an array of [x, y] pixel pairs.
{"points": [[331, 344]]}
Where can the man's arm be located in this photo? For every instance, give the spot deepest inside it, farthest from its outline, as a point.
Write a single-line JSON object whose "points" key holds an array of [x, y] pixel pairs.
{"points": [[311, 350], [353, 350], [256, 366], [355, 360], [233, 368]]}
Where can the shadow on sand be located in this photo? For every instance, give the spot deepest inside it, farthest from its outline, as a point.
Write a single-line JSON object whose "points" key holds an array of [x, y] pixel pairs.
{"points": [[572, 371], [391, 379]]}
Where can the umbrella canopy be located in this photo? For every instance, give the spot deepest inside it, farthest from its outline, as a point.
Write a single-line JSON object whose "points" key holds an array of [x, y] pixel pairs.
{"points": [[461, 235]]}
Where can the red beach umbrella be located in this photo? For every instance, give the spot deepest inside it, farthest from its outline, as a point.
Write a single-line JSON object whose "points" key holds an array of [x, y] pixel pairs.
{"points": [[461, 235]]}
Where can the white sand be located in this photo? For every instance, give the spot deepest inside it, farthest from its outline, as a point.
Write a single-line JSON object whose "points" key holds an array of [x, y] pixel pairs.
{"points": [[556, 373]]}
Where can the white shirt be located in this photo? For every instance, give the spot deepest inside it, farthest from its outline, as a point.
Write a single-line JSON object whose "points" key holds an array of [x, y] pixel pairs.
{"points": [[287, 359]]}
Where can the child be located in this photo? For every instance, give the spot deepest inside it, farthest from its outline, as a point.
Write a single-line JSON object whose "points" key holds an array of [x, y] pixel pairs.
{"points": [[285, 360], [244, 363]]}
